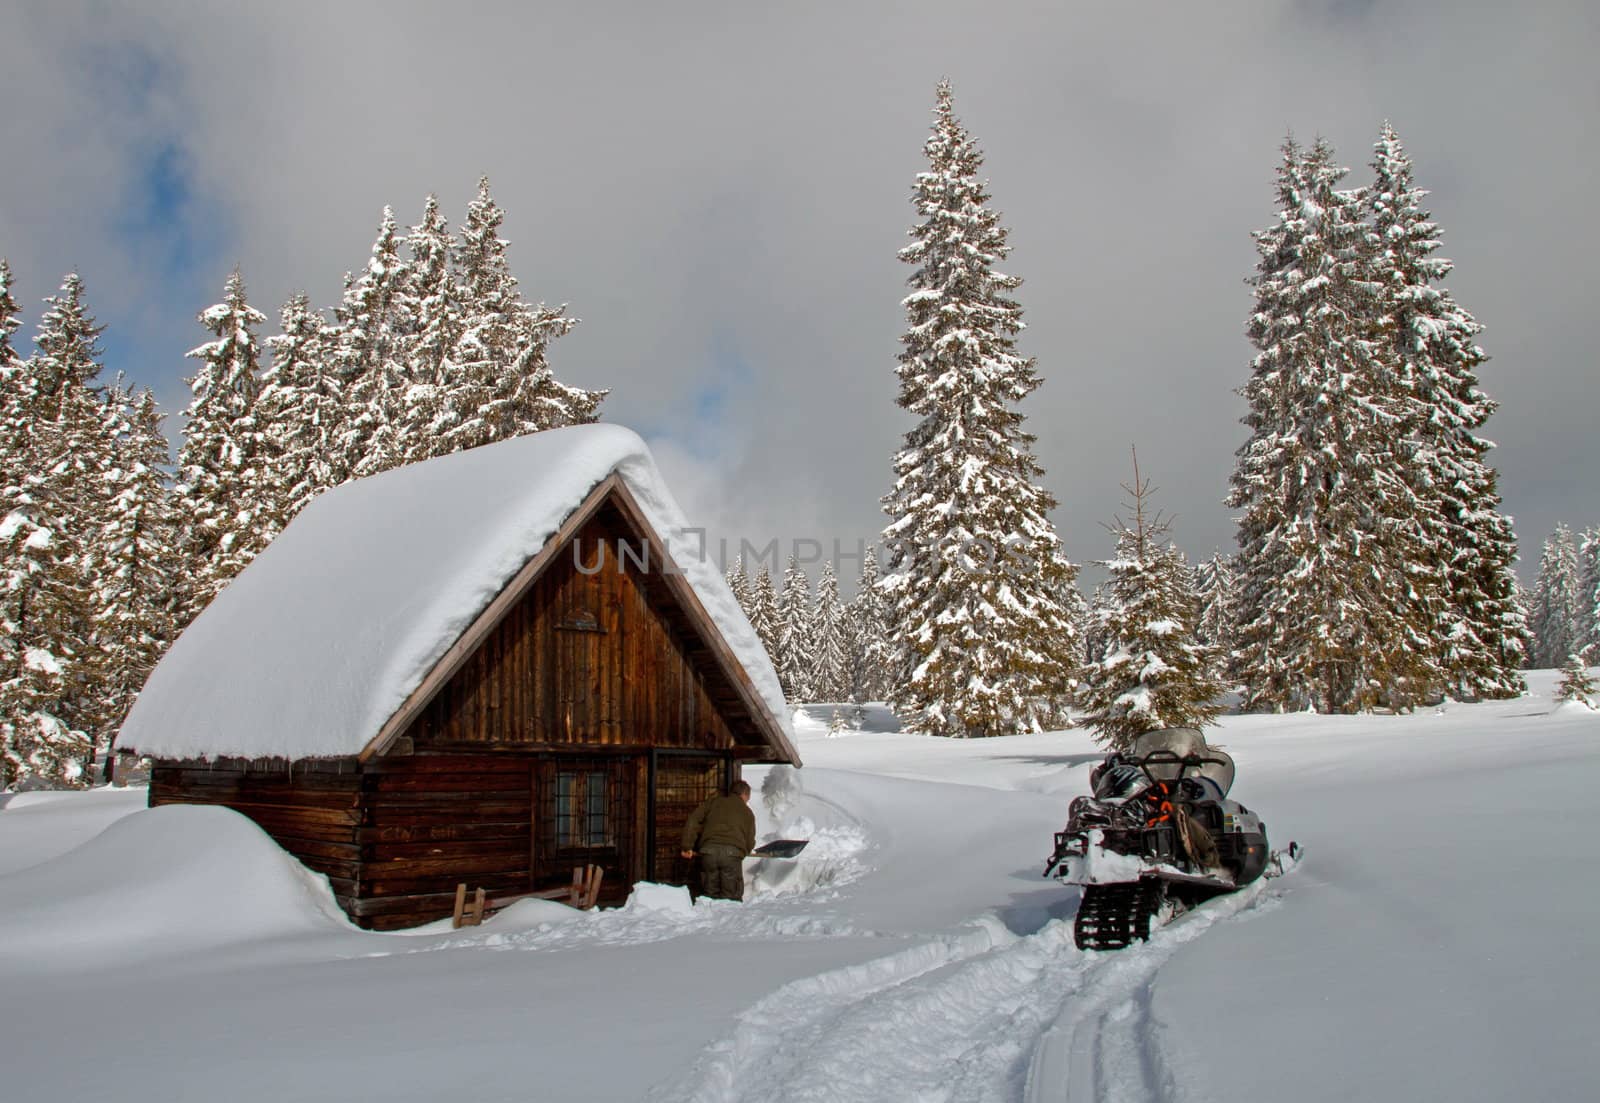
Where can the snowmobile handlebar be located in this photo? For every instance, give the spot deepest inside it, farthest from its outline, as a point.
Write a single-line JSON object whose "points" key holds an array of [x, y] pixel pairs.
{"points": [[1172, 758], [1169, 759]]}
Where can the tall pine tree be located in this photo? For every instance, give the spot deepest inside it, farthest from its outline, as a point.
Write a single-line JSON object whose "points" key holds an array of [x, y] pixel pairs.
{"points": [[797, 635], [1469, 546], [136, 574], [72, 455], [435, 330], [375, 321], [1588, 613], [1555, 607], [830, 677], [1327, 605], [15, 414], [976, 572], [1214, 586], [303, 409], [50, 668], [43, 606], [739, 584], [225, 460], [765, 616], [498, 383], [869, 652]]}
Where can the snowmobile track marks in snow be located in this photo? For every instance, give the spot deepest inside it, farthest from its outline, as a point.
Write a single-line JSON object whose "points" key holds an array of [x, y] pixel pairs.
{"points": [[1104, 1046], [977, 1015]]}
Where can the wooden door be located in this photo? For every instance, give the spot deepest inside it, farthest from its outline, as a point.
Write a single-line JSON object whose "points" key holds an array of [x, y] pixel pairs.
{"points": [[680, 783]]}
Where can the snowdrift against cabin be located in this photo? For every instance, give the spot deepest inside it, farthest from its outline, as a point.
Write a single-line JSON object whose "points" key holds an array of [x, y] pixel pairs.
{"points": [[310, 650]]}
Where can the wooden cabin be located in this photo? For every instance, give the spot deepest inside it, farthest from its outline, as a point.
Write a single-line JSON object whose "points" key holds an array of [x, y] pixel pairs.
{"points": [[579, 717]]}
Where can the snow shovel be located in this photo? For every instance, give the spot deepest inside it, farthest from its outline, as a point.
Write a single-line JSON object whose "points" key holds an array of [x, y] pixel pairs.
{"points": [[780, 848]]}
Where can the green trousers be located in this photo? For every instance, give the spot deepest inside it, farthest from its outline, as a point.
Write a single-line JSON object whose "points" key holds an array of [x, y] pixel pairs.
{"points": [[722, 871]]}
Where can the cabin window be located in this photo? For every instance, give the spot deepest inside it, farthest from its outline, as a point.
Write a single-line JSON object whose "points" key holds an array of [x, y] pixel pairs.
{"points": [[582, 818]]}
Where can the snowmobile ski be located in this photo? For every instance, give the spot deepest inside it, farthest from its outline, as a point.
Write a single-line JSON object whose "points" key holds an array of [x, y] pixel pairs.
{"points": [[1282, 861]]}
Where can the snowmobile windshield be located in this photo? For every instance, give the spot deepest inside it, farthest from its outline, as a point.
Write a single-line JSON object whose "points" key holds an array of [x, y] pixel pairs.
{"points": [[1182, 742]]}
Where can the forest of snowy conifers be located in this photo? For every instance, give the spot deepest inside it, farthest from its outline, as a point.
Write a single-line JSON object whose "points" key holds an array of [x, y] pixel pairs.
{"points": [[111, 548], [1374, 568]]}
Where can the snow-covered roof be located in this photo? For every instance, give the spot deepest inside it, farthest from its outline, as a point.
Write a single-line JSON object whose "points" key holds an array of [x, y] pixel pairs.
{"points": [[315, 645]]}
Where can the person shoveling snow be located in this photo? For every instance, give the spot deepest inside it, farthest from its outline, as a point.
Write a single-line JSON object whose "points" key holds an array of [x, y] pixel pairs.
{"points": [[723, 832]]}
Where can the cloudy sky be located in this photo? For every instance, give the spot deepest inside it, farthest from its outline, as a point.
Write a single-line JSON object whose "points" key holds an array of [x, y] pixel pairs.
{"points": [[719, 192]]}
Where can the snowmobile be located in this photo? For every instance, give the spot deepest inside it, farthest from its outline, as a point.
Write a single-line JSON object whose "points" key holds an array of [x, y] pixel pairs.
{"points": [[1158, 837]]}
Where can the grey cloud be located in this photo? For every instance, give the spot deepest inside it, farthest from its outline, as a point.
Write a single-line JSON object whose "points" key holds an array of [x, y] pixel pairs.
{"points": [[719, 192]]}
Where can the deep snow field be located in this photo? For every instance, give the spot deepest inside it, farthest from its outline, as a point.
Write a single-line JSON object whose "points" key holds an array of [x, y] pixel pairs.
{"points": [[1437, 942]]}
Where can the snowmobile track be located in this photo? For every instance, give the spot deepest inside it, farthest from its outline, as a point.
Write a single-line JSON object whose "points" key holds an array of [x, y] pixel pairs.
{"points": [[1114, 916], [979, 1015]]}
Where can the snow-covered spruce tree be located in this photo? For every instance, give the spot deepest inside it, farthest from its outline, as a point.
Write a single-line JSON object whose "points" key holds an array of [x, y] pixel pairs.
{"points": [[797, 635], [830, 672], [42, 602], [302, 408], [1080, 616], [15, 418], [869, 651], [68, 459], [64, 391], [45, 608], [1214, 587], [224, 477], [18, 401], [1576, 684], [135, 573], [1470, 549], [976, 572], [1554, 607], [497, 382], [764, 613], [435, 329], [375, 320], [1327, 613], [738, 581], [1151, 672], [1094, 640], [43, 605], [1588, 611]]}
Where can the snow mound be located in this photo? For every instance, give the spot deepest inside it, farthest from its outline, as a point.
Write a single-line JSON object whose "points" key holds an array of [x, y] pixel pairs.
{"points": [[166, 881], [35, 827], [834, 853], [831, 858], [536, 914], [647, 896]]}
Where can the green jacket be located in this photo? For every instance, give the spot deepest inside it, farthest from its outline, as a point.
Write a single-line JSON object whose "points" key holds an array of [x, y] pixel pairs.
{"points": [[726, 820]]}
